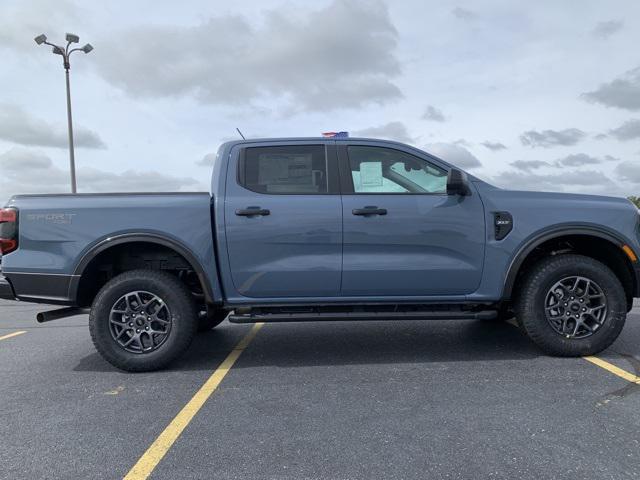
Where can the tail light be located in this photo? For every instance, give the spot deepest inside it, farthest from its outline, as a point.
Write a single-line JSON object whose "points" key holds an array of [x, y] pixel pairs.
{"points": [[8, 230]]}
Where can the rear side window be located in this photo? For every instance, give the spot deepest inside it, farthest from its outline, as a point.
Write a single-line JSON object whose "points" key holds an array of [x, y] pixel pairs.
{"points": [[291, 169]]}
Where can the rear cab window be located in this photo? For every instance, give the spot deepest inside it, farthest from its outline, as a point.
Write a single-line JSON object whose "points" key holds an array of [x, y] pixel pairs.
{"points": [[285, 170]]}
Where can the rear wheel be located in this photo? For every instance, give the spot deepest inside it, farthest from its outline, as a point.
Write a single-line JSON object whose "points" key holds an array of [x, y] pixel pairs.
{"points": [[142, 320], [571, 305]]}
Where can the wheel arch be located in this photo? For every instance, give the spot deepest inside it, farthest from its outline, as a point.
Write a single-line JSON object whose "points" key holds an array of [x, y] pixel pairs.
{"points": [[114, 241], [618, 260]]}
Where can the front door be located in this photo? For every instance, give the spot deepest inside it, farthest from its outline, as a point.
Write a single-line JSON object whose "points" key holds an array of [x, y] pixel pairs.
{"points": [[403, 235], [283, 219]]}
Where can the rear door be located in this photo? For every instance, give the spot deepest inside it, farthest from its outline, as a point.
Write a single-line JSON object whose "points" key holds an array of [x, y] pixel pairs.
{"points": [[283, 218], [403, 235]]}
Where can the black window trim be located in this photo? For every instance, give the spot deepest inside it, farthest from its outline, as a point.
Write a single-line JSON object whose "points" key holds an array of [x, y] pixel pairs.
{"points": [[333, 181], [346, 179]]}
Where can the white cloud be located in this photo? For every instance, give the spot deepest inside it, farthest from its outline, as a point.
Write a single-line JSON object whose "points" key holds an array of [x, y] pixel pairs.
{"points": [[577, 160], [340, 56], [495, 146], [27, 171], [607, 28], [23, 20], [629, 130], [528, 165], [623, 92], [391, 131], [552, 138], [434, 114], [455, 154], [629, 171], [590, 181], [207, 160], [464, 14], [19, 126]]}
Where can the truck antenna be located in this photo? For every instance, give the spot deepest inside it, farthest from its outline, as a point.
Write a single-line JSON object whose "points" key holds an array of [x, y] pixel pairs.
{"points": [[240, 133]]}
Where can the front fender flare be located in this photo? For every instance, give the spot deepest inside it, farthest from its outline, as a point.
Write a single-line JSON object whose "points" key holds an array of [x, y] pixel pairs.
{"points": [[540, 237]]}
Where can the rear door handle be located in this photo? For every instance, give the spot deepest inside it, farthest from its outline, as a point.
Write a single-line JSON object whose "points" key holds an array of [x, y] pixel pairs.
{"points": [[252, 212], [369, 211]]}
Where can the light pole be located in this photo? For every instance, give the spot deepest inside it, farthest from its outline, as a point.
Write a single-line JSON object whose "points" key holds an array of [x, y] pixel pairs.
{"points": [[66, 53]]}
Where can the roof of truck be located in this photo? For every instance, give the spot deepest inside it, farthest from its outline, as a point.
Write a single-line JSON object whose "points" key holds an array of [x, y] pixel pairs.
{"points": [[240, 141], [314, 139]]}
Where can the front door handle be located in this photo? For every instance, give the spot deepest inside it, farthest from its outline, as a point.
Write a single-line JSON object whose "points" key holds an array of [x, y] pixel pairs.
{"points": [[252, 212], [369, 211]]}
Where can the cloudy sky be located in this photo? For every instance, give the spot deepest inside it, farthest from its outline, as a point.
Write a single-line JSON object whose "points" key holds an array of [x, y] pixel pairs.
{"points": [[542, 95]]}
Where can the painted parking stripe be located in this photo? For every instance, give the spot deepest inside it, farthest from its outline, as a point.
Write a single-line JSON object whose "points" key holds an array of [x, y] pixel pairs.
{"points": [[14, 334], [609, 367], [630, 377], [159, 448]]}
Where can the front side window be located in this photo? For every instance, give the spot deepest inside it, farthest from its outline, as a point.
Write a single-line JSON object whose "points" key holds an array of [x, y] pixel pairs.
{"points": [[385, 170], [291, 169]]}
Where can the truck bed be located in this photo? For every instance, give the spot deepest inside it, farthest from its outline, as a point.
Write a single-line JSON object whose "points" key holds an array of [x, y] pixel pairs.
{"points": [[57, 233]]}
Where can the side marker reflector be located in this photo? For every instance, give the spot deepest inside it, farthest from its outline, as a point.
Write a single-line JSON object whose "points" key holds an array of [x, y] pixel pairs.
{"points": [[632, 256]]}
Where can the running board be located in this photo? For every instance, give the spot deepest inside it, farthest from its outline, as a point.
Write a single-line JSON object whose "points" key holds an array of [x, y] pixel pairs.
{"points": [[353, 316], [51, 315]]}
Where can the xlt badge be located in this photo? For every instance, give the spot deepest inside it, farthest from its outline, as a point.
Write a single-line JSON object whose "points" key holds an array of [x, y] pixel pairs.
{"points": [[503, 223]]}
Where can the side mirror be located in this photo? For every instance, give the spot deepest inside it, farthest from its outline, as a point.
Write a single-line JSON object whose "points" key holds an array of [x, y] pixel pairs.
{"points": [[457, 183]]}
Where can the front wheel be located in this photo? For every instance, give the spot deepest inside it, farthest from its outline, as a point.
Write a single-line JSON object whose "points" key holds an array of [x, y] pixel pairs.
{"points": [[142, 320], [571, 305]]}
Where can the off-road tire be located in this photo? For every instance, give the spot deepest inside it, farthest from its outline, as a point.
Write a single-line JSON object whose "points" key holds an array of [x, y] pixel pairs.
{"points": [[184, 319], [530, 305]]}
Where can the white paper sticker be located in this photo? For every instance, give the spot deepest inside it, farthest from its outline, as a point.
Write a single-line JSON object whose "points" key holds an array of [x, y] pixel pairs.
{"points": [[276, 168], [371, 174]]}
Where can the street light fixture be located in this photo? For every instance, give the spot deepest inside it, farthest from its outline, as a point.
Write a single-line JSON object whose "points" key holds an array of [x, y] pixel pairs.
{"points": [[66, 53]]}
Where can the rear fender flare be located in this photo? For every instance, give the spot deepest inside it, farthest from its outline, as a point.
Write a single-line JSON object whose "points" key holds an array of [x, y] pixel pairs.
{"points": [[112, 241]]}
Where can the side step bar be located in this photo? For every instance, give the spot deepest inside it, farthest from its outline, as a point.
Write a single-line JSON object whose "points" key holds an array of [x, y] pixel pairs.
{"points": [[352, 316], [60, 313]]}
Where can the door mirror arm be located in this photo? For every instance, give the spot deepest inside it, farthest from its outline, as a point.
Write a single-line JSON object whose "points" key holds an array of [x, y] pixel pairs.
{"points": [[457, 183]]}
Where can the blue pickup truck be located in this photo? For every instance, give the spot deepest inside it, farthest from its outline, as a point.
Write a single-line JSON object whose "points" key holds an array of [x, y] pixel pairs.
{"points": [[307, 229]]}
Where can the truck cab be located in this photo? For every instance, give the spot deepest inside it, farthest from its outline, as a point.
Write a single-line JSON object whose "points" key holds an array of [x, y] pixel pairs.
{"points": [[345, 221]]}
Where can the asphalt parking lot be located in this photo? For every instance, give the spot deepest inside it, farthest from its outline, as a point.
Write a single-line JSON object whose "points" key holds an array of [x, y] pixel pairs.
{"points": [[405, 399]]}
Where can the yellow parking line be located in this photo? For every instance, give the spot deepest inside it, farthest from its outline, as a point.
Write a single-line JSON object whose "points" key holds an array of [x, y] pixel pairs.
{"points": [[609, 367], [14, 334], [159, 448], [630, 377]]}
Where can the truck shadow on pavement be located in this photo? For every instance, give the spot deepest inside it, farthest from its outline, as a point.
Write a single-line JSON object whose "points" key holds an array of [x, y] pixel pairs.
{"points": [[348, 343], [206, 352], [352, 343]]}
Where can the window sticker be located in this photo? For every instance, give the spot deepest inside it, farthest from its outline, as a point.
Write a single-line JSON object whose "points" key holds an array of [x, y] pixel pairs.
{"points": [[284, 169], [371, 174]]}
